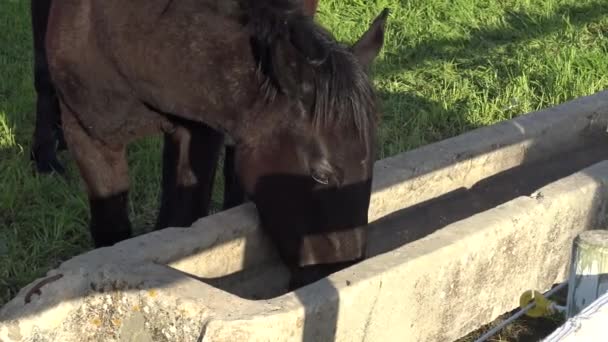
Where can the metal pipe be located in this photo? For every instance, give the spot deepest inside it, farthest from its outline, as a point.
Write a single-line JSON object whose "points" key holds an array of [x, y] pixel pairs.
{"points": [[518, 314]]}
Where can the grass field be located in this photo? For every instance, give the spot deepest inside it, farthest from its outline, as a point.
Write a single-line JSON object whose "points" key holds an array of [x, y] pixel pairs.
{"points": [[447, 67]]}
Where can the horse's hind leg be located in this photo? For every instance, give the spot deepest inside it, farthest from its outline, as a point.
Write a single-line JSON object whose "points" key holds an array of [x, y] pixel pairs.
{"points": [[43, 150], [47, 129], [190, 156], [105, 172]]}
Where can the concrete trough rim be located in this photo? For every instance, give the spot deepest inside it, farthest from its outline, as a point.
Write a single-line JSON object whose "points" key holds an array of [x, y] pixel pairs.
{"points": [[371, 271], [407, 253], [447, 236]]}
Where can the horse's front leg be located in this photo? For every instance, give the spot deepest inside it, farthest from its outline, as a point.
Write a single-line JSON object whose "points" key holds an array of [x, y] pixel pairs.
{"points": [[190, 156], [234, 193], [105, 173]]}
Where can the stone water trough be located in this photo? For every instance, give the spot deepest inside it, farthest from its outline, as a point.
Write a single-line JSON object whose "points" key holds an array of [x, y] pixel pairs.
{"points": [[460, 229]]}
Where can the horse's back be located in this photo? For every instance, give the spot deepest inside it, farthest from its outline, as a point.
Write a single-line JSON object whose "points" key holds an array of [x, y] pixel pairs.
{"points": [[115, 59], [85, 78]]}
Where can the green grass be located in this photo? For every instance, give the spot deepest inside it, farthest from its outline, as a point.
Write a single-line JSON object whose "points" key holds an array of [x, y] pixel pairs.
{"points": [[447, 67]]}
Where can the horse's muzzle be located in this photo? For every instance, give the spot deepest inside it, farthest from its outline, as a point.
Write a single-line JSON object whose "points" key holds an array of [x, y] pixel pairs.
{"points": [[333, 247]]}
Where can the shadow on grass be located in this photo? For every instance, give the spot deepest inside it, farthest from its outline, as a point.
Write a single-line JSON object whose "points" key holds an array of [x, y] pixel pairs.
{"points": [[409, 121], [519, 26]]}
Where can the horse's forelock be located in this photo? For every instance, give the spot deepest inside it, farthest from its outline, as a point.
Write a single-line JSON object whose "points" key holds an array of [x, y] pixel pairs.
{"points": [[268, 18], [343, 92]]}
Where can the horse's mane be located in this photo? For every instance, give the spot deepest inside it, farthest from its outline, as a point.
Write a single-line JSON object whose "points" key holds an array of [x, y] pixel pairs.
{"points": [[343, 93]]}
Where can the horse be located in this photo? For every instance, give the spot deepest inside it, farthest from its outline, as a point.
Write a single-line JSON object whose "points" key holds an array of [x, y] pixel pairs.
{"points": [[299, 105], [48, 137]]}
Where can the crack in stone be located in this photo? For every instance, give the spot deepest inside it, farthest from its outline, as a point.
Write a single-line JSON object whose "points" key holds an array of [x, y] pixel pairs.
{"points": [[206, 322]]}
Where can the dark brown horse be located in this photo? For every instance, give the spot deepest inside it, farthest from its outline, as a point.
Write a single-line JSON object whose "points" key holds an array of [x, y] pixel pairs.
{"points": [[299, 106], [48, 135]]}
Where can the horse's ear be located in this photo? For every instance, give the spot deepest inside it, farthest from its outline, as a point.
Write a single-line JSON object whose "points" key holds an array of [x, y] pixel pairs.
{"points": [[286, 68], [310, 7], [366, 49], [304, 39], [285, 41], [295, 55]]}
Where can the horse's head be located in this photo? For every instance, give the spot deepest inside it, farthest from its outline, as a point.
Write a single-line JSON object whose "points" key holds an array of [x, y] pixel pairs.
{"points": [[307, 156]]}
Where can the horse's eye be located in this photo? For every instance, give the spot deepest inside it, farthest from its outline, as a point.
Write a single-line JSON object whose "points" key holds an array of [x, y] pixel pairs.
{"points": [[320, 176]]}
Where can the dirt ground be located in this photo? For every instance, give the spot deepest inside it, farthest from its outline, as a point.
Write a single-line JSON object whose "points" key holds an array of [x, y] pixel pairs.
{"points": [[524, 329]]}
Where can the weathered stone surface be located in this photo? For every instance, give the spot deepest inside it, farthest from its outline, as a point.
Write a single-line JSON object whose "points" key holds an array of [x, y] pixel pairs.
{"points": [[153, 280], [445, 285], [435, 169]]}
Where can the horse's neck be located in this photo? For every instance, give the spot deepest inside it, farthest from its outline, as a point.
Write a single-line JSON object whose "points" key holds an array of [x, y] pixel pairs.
{"points": [[193, 63]]}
